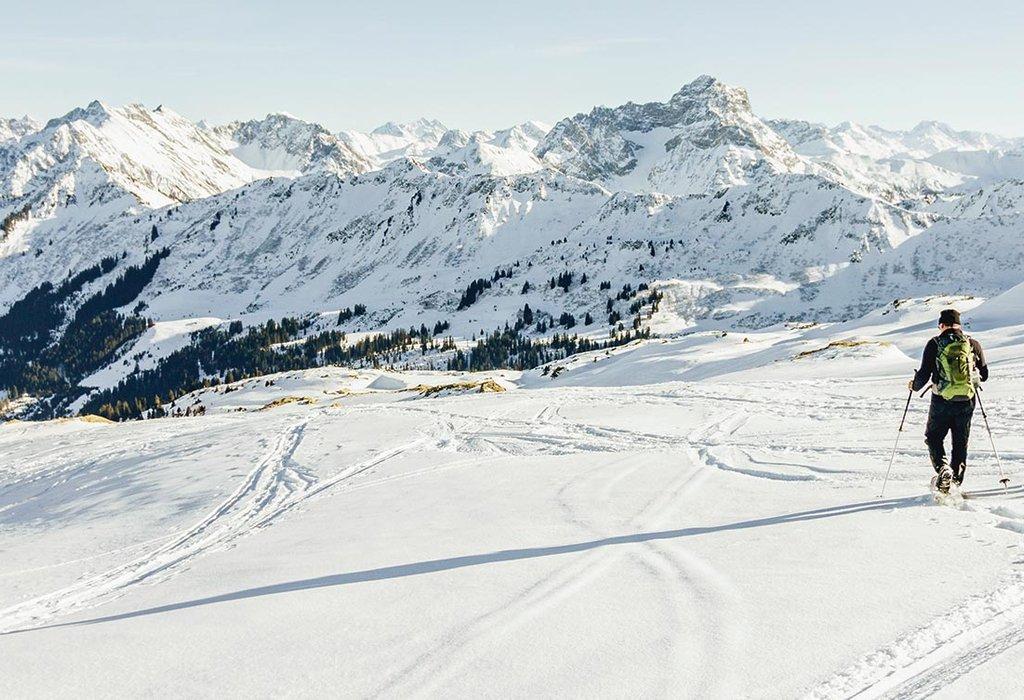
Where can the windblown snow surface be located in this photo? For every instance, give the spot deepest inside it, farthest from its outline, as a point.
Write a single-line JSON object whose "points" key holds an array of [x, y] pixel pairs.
{"points": [[691, 516]]}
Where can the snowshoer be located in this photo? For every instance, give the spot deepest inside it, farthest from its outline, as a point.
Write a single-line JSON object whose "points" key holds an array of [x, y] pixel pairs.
{"points": [[954, 364]]}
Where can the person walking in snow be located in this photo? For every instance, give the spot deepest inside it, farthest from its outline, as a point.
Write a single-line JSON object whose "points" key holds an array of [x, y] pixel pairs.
{"points": [[954, 364]]}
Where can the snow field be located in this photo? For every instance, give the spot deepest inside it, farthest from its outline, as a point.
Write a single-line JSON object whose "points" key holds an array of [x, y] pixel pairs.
{"points": [[711, 528]]}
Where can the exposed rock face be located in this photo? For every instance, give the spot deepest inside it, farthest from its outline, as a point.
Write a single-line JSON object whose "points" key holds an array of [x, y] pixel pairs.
{"points": [[705, 138]]}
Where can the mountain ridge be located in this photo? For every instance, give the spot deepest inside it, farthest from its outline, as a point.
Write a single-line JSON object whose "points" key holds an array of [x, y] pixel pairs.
{"points": [[740, 221]]}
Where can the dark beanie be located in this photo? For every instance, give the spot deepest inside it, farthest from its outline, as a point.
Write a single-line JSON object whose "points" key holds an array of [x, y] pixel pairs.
{"points": [[949, 317]]}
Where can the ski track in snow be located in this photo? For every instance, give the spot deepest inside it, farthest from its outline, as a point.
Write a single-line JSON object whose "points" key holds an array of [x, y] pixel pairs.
{"points": [[681, 574], [915, 665], [270, 483], [545, 433], [276, 485], [925, 660]]}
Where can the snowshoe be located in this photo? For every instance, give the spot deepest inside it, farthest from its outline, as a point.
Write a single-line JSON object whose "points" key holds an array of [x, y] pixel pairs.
{"points": [[951, 496], [958, 475]]}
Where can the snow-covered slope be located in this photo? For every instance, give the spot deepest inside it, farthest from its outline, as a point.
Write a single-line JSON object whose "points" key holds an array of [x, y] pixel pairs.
{"points": [[995, 199], [408, 240], [985, 165], [1001, 311], [638, 525], [981, 257], [156, 155], [100, 161], [403, 235]]}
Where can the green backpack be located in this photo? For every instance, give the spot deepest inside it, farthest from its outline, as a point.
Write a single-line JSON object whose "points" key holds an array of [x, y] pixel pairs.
{"points": [[955, 361]]}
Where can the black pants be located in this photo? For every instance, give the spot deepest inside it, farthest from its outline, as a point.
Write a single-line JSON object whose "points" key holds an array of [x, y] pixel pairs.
{"points": [[949, 416]]}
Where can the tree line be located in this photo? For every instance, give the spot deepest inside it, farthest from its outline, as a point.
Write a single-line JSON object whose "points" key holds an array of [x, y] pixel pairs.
{"points": [[215, 356], [40, 358]]}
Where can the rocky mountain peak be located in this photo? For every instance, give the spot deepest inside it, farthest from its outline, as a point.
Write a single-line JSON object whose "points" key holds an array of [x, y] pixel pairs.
{"points": [[421, 129], [707, 87], [709, 98], [281, 142], [12, 129], [94, 113], [703, 139], [454, 138]]}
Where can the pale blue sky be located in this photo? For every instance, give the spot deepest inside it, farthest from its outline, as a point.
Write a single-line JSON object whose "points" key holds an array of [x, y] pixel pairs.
{"points": [[491, 64]]}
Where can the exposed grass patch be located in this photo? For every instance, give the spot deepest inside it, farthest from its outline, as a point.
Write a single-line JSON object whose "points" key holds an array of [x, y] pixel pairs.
{"points": [[285, 400], [841, 344], [487, 386]]}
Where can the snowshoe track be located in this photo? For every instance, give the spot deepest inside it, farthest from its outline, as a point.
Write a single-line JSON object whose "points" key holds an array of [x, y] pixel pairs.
{"points": [[932, 656]]}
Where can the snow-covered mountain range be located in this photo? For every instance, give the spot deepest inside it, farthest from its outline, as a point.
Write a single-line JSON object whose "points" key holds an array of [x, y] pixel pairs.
{"points": [[590, 409], [737, 220]]}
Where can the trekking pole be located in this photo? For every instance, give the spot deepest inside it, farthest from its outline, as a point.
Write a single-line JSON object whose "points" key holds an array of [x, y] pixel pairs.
{"points": [[894, 447], [1002, 477]]}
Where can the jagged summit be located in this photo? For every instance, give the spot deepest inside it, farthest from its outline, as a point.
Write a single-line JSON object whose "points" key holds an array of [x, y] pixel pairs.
{"points": [[701, 83], [704, 86], [926, 124], [703, 139], [454, 138], [282, 143], [707, 94], [12, 129], [117, 157], [95, 113], [423, 128], [389, 129], [503, 153], [395, 140], [527, 135]]}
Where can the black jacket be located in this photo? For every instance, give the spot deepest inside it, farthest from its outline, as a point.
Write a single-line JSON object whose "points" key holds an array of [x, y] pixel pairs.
{"points": [[929, 370]]}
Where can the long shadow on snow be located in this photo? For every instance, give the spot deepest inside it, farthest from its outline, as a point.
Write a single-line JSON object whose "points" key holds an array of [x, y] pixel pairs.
{"points": [[436, 565], [1008, 493]]}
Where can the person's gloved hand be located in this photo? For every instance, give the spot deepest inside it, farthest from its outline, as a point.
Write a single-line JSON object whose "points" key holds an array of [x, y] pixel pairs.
{"points": [[910, 385]]}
